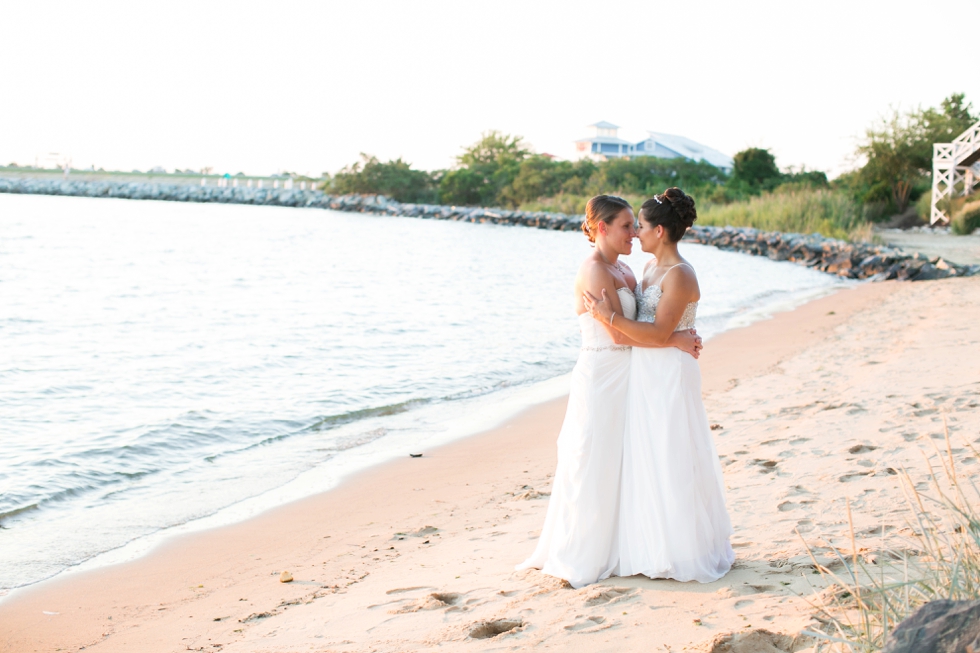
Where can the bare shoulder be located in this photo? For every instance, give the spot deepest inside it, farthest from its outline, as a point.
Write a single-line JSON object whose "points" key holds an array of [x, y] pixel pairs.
{"points": [[684, 279], [592, 271], [686, 270]]}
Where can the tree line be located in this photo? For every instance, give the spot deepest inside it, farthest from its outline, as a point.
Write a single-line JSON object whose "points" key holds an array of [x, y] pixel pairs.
{"points": [[502, 170]]}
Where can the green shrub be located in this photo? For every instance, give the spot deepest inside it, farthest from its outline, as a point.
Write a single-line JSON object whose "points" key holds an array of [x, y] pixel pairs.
{"points": [[967, 221], [574, 204], [396, 179], [924, 206]]}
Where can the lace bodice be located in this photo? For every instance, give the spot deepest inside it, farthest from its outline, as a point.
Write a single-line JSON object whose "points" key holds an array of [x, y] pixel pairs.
{"points": [[594, 335], [647, 301]]}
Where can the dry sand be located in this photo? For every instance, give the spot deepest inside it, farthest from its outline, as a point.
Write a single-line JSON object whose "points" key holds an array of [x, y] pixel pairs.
{"points": [[964, 250], [817, 406]]}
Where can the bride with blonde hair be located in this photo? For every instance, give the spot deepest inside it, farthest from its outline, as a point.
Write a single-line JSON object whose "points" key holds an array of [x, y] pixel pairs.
{"points": [[672, 519], [579, 540]]}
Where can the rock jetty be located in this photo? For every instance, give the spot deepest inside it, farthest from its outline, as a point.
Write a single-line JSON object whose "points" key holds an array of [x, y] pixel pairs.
{"points": [[850, 260]]}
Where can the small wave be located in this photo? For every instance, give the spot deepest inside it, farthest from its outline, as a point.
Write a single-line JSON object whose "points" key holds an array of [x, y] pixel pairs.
{"points": [[17, 511], [354, 441], [332, 421]]}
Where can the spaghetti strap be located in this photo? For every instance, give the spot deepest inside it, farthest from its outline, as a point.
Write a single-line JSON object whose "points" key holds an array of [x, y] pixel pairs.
{"points": [[661, 281]]}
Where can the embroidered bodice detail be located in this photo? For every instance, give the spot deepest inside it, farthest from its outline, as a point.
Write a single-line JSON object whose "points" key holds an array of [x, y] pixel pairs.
{"points": [[594, 335], [647, 301]]}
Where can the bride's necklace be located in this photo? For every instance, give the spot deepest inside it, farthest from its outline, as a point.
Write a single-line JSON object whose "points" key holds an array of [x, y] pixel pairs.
{"points": [[619, 265]]}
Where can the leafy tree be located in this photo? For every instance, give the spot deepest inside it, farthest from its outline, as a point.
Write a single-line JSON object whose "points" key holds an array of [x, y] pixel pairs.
{"points": [[464, 187], [650, 175], [894, 150], [484, 170], [898, 149], [804, 177], [540, 176], [951, 119], [396, 179], [754, 171]]}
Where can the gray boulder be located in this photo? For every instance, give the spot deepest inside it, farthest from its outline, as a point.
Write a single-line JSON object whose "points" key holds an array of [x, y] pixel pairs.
{"points": [[938, 627]]}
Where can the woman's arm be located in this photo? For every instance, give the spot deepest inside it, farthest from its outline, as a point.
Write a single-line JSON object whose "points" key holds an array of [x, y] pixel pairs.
{"points": [[687, 340], [670, 310], [598, 280]]}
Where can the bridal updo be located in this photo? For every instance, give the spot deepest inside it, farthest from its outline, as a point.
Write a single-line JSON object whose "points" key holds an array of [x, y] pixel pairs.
{"points": [[602, 208], [672, 209]]}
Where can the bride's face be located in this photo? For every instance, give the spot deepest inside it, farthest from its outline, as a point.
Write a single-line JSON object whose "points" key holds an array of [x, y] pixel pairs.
{"points": [[649, 236], [621, 231]]}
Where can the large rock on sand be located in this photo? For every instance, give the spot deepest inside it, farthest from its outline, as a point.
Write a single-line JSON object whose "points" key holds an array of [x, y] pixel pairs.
{"points": [[939, 627]]}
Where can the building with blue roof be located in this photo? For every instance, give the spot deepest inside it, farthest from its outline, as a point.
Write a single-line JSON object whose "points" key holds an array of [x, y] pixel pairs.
{"points": [[605, 144]]}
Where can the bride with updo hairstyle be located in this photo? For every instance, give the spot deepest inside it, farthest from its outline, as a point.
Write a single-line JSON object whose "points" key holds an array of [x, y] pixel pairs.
{"points": [[673, 522], [579, 539]]}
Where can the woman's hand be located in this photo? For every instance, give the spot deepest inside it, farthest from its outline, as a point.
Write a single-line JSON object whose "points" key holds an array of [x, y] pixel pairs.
{"points": [[688, 341], [597, 308]]}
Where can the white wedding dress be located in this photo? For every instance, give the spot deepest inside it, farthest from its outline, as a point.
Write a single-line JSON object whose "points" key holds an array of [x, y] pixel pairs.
{"points": [[578, 540], [672, 517]]}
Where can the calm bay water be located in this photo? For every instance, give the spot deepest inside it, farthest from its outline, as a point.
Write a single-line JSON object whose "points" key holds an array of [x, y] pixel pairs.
{"points": [[163, 362]]}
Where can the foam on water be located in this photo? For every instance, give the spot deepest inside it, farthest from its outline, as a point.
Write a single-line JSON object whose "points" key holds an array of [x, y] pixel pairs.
{"points": [[170, 366]]}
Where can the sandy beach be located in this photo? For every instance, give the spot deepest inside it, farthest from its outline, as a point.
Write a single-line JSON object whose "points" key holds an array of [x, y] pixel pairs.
{"points": [[814, 407]]}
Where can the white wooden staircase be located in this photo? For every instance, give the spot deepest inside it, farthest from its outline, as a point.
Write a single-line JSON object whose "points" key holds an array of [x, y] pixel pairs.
{"points": [[955, 170]]}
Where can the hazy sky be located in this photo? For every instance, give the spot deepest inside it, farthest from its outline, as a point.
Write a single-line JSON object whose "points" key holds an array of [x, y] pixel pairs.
{"points": [[305, 86]]}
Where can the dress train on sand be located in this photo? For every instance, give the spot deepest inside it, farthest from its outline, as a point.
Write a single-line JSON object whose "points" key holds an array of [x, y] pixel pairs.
{"points": [[579, 539], [673, 522]]}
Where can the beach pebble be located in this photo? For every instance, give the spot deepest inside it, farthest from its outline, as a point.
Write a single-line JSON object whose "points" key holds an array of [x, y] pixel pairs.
{"points": [[285, 577]]}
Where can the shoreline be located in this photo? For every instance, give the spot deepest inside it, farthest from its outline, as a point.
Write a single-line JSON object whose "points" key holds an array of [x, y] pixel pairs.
{"points": [[848, 260], [457, 420], [419, 552]]}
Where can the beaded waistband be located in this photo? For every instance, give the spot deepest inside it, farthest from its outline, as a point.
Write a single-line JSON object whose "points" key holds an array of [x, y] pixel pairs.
{"points": [[608, 348]]}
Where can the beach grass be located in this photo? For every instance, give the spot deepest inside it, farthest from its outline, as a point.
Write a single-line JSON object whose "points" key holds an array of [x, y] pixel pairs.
{"points": [[831, 213], [873, 591], [572, 204], [792, 209]]}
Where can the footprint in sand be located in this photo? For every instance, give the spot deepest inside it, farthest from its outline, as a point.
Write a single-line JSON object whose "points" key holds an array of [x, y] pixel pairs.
{"points": [[422, 532], [861, 448], [588, 625], [767, 465], [527, 493], [608, 595], [434, 601], [804, 526], [399, 590], [846, 478], [489, 629], [875, 531], [797, 489]]}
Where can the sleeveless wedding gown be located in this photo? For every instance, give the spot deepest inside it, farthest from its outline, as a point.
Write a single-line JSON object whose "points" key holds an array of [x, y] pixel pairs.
{"points": [[672, 517], [578, 540]]}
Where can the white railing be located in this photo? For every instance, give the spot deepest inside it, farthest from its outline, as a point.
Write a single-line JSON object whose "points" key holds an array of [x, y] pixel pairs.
{"points": [[954, 173]]}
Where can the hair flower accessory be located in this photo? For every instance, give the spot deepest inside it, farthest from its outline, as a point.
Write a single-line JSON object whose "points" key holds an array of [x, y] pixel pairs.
{"points": [[657, 199]]}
